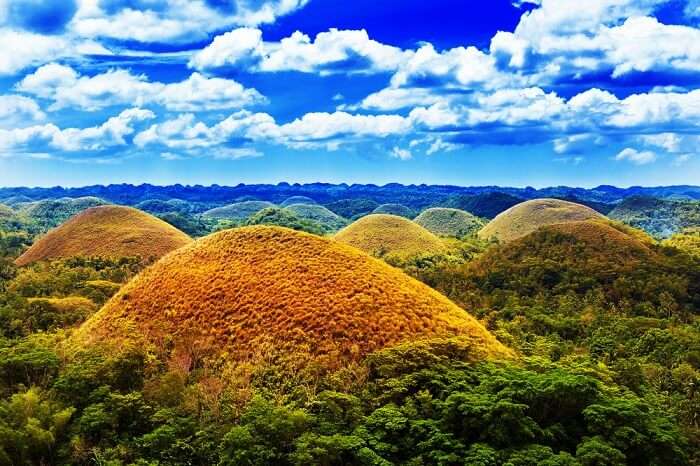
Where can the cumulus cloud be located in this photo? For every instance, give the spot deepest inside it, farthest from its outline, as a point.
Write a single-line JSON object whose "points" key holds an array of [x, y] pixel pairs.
{"points": [[401, 154], [67, 88], [636, 157], [174, 21], [18, 110], [49, 137], [22, 49], [330, 52]]}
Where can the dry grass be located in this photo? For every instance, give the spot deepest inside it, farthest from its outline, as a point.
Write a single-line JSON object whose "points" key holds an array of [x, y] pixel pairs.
{"points": [[380, 234], [110, 232], [244, 289], [687, 241], [69, 304], [449, 222], [528, 216]]}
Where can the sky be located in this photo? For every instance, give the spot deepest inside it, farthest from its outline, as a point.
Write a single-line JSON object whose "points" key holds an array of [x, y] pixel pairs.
{"points": [[464, 92]]}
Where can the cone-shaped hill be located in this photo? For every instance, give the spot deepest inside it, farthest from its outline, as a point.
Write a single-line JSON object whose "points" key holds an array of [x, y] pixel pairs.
{"points": [[248, 288], [107, 231], [239, 210], [297, 200], [380, 234], [319, 214], [449, 222], [528, 216]]}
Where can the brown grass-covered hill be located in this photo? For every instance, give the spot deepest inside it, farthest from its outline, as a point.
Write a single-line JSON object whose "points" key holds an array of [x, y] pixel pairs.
{"points": [[528, 216], [269, 287], [107, 231], [380, 234], [444, 221]]}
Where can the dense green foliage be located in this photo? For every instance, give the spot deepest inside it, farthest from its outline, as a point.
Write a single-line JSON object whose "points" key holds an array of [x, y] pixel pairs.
{"points": [[658, 217], [353, 208], [486, 205], [282, 217]]}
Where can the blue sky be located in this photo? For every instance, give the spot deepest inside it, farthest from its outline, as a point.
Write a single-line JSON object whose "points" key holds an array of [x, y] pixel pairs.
{"points": [[540, 92]]}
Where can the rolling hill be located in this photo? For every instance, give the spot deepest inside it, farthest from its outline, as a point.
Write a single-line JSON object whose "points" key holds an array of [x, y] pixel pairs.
{"points": [[528, 216], [238, 211], [6, 212], [51, 213], [107, 231], [658, 217], [328, 220], [381, 234], [353, 208], [243, 289], [297, 200], [688, 241], [395, 209], [444, 221]]}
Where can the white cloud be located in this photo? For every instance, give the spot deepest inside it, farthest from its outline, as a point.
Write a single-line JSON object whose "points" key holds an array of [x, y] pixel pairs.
{"points": [[636, 157], [401, 154], [174, 21], [330, 52], [111, 133], [18, 110], [21, 49], [66, 88]]}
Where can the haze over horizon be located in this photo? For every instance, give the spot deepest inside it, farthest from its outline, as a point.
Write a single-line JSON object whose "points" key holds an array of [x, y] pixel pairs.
{"points": [[514, 93]]}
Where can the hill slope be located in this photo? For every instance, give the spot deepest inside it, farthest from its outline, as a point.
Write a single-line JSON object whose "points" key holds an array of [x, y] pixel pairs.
{"points": [[449, 222], [107, 231], [239, 210], [528, 216], [658, 217], [244, 288], [380, 234]]}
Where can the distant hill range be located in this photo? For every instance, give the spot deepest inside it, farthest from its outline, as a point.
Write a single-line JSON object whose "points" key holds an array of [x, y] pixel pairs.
{"points": [[417, 197]]}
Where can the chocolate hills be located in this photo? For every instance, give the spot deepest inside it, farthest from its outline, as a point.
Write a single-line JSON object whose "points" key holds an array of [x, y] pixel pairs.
{"points": [[107, 231], [245, 288], [444, 221], [297, 200], [528, 216], [319, 214], [238, 211], [380, 234], [395, 209]]}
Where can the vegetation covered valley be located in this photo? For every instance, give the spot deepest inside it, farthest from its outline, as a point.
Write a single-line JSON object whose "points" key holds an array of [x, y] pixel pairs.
{"points": [[565, 338]]}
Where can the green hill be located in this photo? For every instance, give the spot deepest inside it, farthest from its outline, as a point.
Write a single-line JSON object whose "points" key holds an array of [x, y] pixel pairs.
{"points": [[281, 217], [660, 218], [395, 209], [297, 200], [159, 206], [353, 208], [486, 205], [53, 212], [449, 222], [316, 213], [238, 211]]}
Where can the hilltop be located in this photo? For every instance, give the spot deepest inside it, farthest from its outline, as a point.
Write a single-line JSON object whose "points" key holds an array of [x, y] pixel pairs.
{"points": [[328, 220], [658, 217], [107, 231], [52, 212], [395, 209], [297, 200], [242, 289], [381, 234], [239, 210], [528, 216], [444, 221]]}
